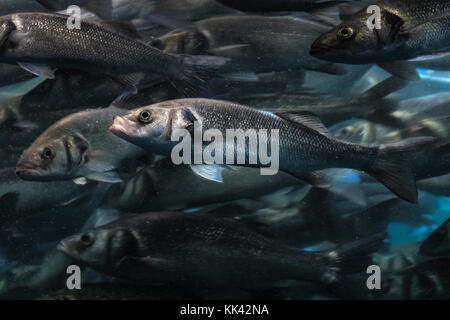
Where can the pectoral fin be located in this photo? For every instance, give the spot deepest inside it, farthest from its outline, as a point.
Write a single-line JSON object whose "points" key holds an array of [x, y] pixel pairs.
{"points": [[108, 177], [211, 172], [39, 70]]}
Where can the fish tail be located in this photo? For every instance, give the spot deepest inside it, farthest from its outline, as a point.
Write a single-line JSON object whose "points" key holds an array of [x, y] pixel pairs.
{"points": [[392, 169], [195, 73]]}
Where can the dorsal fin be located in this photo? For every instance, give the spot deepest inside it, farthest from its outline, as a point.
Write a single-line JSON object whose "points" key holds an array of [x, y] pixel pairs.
{"points": [[306, 118]]}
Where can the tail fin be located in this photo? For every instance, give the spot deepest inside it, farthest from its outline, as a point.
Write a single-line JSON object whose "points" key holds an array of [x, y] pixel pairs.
{"points": [[196, 71], [391, 167]]}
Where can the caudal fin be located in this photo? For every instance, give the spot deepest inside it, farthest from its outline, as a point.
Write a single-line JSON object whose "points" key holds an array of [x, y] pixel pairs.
{"points": [[196, 71], [392, 169]]}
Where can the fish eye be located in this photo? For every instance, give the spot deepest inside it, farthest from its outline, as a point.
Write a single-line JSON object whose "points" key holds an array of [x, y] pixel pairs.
{"points": [[145, 116], [47, 153], [345, 33], [86, 239]]}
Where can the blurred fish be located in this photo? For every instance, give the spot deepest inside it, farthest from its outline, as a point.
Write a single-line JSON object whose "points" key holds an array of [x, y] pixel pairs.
{"points": [[78, 146], [371, 105], [119, 56], [409, 29], [437, 185], [172, 13], [157, 188], [437, 243], [109, 291], [255, 44], [146, 248], [278, 5], [31, 198], [304, 142]]}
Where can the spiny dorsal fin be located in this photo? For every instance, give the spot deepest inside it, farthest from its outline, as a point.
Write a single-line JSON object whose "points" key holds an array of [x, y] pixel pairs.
{"points": [[305, 118]]}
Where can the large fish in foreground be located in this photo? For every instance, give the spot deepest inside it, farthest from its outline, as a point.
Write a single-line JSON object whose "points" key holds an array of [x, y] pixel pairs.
{"points": [[201, 252], [78, 146], [409, 30], [41, 42], [304, 143]]}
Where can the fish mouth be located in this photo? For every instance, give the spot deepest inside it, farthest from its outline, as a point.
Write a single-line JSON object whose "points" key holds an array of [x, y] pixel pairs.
{"points": [[64, 247], [123, 128], [318, 50], [28, 172]]}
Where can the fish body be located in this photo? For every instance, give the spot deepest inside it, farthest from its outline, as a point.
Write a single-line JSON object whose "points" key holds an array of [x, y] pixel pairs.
{"points": [[78, 145], [303, 143], [158, 188], [173, 247], [255, 43], [41, 42], [408, 29], [276, 5]]}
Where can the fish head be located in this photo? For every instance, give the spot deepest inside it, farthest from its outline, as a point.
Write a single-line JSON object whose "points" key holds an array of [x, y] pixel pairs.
{"points": [[146, 127], [102, 247], [49, 159], [438, 243], [185, 42], [358, 41]]}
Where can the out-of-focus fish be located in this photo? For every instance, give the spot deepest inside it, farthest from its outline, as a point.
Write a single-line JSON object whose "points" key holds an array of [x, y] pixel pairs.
{"points": [[146, 248], [408, 30], [304, 143], [77, 146], [157, 188], [25, 40], [119, 291], [277, 5], [172, 13], [437, 243], [371, 105], [253, 43], [437, 185], [30, 198]]}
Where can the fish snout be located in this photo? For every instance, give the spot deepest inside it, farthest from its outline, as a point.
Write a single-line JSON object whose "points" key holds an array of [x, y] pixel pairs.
{"points": [[27, 172], [122, 127]]}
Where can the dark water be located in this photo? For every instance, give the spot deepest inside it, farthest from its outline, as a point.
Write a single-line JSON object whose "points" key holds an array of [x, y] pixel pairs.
{"points": [[249, 236]]}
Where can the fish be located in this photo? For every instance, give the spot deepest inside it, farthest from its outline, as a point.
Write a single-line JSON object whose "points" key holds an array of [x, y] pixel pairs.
{"points": [[333, 110], [437, 243], [408, 30], [437, 185], [145, 14], [120, 291], [78, 147], [277, 5], [121, 56], [255, 44], [31, 199], [304, 144], [146, 248], [156, 187]]}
